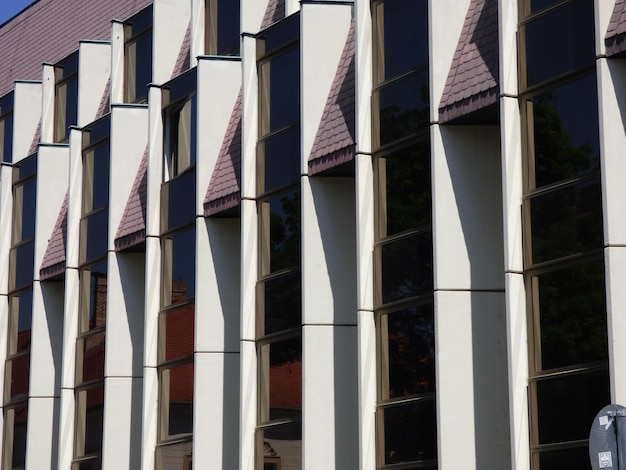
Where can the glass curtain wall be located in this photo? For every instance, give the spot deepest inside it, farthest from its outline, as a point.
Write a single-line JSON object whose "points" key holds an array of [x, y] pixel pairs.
{"points": [[406, 412], [90, 341], [65, 97], [178, 270], [138, 56], [279, 297], [222, 27], [21, 269], [563, 235]]}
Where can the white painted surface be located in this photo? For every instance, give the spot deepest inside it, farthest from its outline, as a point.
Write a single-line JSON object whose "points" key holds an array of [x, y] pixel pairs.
{"points": [[171, 20], [117, 62], [250, 113], [40, 452], [47, 110], [94, 71], [367, 390], [248, 401], [26, 117], [507, 34], [155, 163]]}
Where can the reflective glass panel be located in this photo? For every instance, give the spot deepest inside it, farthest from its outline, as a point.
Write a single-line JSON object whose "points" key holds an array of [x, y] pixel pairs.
{"points": [[406, 267], [227, 27], [21, 321], [566, 221], [18, 374], [26, 167], [281, 447], [24, 211], [281, 381], [23, 261], [90, 350], [66, 108], [93, 297], [279, 160], [403, 107], [282, 304], [280, 91], [567, 459], [179, 267], [89, 406], [560, 41], [281, 34], [6, 138], [572, 315], [536, 5], [177, 390], [558, 397], [565, 131], [176, 456], [403, 26], [138, 68], [410, 432], [178, 331], [96, 162], [15, 440], [405, 190], [94, 235], [280, 232], [182, 151], [179, 198], [408, 350]]}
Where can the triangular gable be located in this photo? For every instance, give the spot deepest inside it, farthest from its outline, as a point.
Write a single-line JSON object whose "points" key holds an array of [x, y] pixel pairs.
{"points": [[274, 12], [224, 190], [132, 228], [472, 83], [615, 39], [334, 142], [182, 62], [53, 262]]}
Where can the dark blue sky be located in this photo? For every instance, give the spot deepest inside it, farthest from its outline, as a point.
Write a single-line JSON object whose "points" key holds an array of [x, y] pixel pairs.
{"points": [[8, 8]]}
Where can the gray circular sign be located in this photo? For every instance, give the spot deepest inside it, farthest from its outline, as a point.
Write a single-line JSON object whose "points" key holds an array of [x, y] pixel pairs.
{"points": [[607, 439]]}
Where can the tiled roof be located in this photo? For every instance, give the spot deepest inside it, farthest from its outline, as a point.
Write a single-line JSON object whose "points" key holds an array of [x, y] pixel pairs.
{"points": [[132, 228], [53, 262], [274, 12], [615, 39], [472, 83], [334, 142], [48, 30], [182, 62], [224, 190]]}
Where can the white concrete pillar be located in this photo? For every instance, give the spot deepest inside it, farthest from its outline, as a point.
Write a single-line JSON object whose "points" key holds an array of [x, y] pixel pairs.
{"points": [[118, 40], [198, 30], [71, 307], [47, 106], [94, 72], [469, 298], [249, 251], [171, 21], [512, 192], [26, 117]]}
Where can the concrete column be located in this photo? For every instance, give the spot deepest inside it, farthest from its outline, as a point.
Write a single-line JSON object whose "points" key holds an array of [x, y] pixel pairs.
{"points": [[469, 298], [26, 117], [249, 253], [364, 205], [94, 72], [70, 314], [171, 20], [198, 30], [47, 110], [117, 62]]}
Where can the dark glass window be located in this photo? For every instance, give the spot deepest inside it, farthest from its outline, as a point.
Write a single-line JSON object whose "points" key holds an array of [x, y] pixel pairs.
{"points": [[177, 396], [565, 134], [6, 137], [280, 246], [89, 415], [178, 198], [279, 160], [181, 119], [560, 41], [281, 90], [138, 56], [401, 26], [566, 221], [65, 97], [404, 189], [281, 380], [537, 5], [96, 163], [222, 27], [279, 35], [14, 453], [23, 243], [179, 266], [280, 303]]}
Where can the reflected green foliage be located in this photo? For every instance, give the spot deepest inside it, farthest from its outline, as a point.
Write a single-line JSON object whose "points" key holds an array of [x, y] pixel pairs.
{"points": [[285, 243]]}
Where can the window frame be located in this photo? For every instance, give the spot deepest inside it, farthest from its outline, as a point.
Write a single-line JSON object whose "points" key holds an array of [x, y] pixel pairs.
{"points": [[130, 61]]}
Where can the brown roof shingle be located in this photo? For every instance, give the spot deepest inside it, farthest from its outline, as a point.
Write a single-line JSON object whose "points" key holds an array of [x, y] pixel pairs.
{"points": [[132, 228], [615, 39], [334, 142], [224, 190], [53, 262], [274, 12], [49, 30], [472, 83]]}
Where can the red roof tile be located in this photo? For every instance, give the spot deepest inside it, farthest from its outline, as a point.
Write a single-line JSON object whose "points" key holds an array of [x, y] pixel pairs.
{"points": [[53, 262], [274, 12], [334, 142], [473, 79], [132, 228], [48, 30], [615, 39], [224, 190]]}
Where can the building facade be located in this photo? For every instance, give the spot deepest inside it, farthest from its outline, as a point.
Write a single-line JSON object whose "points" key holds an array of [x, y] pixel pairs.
{"points": [[315, 234]]}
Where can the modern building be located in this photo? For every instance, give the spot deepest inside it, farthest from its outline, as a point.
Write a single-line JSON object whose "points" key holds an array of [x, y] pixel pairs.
{"points": [[315, 234]]}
